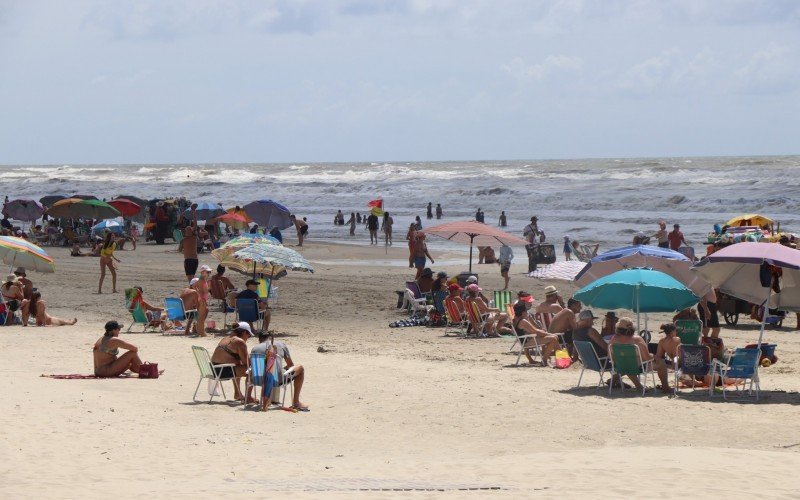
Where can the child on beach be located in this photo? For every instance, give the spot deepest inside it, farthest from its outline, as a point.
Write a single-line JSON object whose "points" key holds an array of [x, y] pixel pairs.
{"points": [[567, 249]]}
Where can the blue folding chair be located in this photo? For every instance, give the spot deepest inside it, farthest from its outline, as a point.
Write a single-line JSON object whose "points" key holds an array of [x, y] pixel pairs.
{"points": [[742, 365], [438, 301], [590, 360], [694, 361], [255, 376], [248, 311]]}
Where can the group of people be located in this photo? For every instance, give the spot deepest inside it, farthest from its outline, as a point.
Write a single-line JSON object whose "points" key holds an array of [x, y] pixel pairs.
{"points": [[17, 294]]}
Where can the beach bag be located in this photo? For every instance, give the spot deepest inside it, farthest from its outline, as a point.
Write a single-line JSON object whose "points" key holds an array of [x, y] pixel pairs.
{"points": [[148, 370], [562, 359]]}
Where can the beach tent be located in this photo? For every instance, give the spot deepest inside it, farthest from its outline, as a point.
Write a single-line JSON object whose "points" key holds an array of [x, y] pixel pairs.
{"points": [[749, 220]]}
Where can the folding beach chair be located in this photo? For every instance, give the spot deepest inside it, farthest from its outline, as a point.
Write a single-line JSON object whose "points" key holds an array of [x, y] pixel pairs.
{"points": [[255, 377], [414, 287], [456, 322], [139, 314], [176, 311], [626, 360], [263, 287], [502, 298], [741, 366], [218, 292], [477, 319], [248, 311], [521, 339], [209, 371], [590, 360], [416, 307], [689, 331], [694, 361]]}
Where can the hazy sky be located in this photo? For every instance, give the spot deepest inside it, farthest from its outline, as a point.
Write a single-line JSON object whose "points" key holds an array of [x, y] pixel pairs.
{"points": [[370, 80]]}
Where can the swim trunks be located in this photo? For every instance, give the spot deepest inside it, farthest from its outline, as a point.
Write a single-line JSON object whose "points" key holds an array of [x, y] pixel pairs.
{"points": [[419, 262], [190, 266], [505, 267]]}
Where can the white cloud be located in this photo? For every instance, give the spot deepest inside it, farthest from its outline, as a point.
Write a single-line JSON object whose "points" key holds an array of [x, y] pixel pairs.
{"points": [[772, 70], [551, 64]]}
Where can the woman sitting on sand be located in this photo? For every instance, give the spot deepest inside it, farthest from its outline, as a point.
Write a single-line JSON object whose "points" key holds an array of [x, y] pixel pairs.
{"points": [[233, 350], [106, 350], [15, 297], [37, 310]]}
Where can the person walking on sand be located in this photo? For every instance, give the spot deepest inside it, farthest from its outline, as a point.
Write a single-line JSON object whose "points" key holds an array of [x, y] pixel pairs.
{"points": [[106, 261], [420, 252], [411, 236], [505, 258], [302, 229], [372, 227], [429, 212], [438, 211], [352, 223], [188, 246], [387, 228]]}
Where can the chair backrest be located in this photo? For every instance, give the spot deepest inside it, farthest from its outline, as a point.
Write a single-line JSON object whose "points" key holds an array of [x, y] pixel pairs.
{"points": [[689, 331], [139, 316], [438, 300], [743, 363], [174, 308], [588, 355], [257, 366], [473, 314], [501, 298], [626, 359], [248, 309], [451, 310], [695, 359], [130, 296], [510, 310], [203, 361], [263, 287], [544, 319], [217, 290], [412, 285]]}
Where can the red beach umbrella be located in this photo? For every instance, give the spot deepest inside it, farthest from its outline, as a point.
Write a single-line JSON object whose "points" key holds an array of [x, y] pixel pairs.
{"points": [[473, 232], [126, 207]]}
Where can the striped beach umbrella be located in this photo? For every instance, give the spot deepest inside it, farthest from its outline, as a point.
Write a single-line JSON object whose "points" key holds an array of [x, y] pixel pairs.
{"points": [[18, 252]]}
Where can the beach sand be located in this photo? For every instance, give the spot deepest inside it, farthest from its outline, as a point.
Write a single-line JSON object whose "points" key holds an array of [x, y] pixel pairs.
{"points": [[400, 412]]}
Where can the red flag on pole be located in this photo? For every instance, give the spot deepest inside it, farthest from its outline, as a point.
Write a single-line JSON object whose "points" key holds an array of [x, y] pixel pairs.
{"points": [[376, 206]]}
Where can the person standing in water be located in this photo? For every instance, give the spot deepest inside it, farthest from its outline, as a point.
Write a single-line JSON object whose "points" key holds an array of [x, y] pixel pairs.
{"points": [[387, 228], [502, 221], [352, 223], [302, 228], [430, 210], [418, 223], [438, 211]]}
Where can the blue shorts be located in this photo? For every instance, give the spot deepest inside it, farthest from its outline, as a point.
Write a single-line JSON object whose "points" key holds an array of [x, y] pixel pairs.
{"points": [[419, 262]]}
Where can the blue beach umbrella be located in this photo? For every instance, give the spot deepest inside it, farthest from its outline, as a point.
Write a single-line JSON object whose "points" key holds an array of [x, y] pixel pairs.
{"points": [[639, 290], [205, 211], [268, 214], [110, 224]]}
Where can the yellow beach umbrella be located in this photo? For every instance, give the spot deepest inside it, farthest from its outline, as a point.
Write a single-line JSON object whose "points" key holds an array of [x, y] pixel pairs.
{"points": [[749, 220]]}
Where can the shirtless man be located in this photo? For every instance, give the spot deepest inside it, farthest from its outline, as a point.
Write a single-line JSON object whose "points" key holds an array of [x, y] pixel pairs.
{"points": [[189, 246], [565, 322], [191, 301], [552, 303], [670, 344], [625, 334], [301, 227], [420, 252]]}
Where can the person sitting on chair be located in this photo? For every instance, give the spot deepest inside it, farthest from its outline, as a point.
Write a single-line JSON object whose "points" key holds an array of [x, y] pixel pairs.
{"points": [[251, 293], [233, 350], [155, 315], [107, 363], [495, 321], [455, 297], [524, 326], [191, 301], [292, 372], [626, 334], [565, 322], [15, 300]]}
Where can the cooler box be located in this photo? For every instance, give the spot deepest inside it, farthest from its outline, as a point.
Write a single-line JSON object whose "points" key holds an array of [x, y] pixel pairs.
{"points": [[540, 254]]}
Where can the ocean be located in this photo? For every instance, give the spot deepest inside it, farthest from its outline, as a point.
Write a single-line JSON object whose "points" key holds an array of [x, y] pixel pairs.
{"points": [[603, 201]]}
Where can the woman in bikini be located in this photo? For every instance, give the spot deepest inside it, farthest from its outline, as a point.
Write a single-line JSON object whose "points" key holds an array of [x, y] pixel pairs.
{"points": [[107, 363], [106, 260], [37, 309], [203, 294], [15, 298], [523, 326], [233, 350]]}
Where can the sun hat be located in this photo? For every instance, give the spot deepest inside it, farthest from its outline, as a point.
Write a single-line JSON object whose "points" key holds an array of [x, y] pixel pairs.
{"points": [[550, 290], [194, 280], [586, 314], [12, 278], [20, 270], [472, 279], [427, 272], [242, 325], [473, 288], [454, 287], [611, 315]]}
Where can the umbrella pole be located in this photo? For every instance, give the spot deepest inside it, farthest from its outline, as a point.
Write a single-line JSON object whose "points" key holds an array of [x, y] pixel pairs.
{"points": [[471, 238], [638, 329]]}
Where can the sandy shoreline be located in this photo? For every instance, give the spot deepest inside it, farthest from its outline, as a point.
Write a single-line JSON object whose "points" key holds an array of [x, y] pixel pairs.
{"points": [[391, 408]]}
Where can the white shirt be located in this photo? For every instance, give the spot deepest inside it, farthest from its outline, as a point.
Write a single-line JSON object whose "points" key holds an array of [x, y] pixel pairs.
{"points": [[506, 254]]}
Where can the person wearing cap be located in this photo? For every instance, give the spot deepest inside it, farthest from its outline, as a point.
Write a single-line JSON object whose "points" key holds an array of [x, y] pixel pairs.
{"points": [[107, 361], [233, 350], [15, 299], [420, 253], [191, 301], [156, 315], [425, 281], [288, 371], [532, 233], [24, 282], [626, 334], [523, 325], [585, 332], [188, 246], [525, 298], [454, 295], [552, 303], [251, 292], [495, 319], [473, 280], [675, 238]]}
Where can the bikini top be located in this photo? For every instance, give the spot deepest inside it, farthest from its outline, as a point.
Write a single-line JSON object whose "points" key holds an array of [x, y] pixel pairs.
{"points": [[104, 348]]}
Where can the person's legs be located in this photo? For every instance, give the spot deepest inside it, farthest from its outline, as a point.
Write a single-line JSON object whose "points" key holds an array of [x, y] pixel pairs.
{"points": [[267, 317], [128, 361], [298, 386], [51, 321], [25, 308], [504, 274], [202, 313], [102, 274], [113, 276], [239, 371], [661, 368], [41, 316]]}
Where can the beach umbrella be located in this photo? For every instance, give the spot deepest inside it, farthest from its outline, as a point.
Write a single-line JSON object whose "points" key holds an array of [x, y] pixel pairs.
{"points": [[268, 214], [205, 211], [139, 201], [47, 201], [18, 252], [640, 290], [749, 220], [23, 210], [665, 260], [272, 260], [224, 254], [232, 219], [473, 233], [110, 224], [75, 208], [126, 207], [737, 270]]}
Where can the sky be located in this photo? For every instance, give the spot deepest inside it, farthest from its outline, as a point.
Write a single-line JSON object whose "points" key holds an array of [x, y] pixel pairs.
{"points": [[204, 81]]}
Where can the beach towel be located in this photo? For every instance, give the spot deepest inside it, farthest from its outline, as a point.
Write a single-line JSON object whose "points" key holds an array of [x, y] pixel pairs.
{"points": [[561, 270], [78, 376]]}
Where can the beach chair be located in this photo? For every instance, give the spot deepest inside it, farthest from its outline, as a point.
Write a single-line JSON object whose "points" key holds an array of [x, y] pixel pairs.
{"points": [[689, 331], [626, 360], [694, 361], [477, 319], [416, 307], [414, 287], [543, 320], [590, 360], [502, 298], [742, 367], [521, 339], [139, 315], [176, 311], [263, 287], [438, 301], [248, 311], [456, 322], [255, 377], [209, 371]]}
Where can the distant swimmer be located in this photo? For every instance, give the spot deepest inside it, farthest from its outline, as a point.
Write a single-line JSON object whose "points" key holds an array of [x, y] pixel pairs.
{"points": [[503, 222], [430, 210], [438, 211]]}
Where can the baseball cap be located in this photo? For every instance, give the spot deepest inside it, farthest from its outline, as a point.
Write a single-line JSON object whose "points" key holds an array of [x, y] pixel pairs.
{"points": [[205, 268], [427, 272], [194, 280], [473, 288], [586, 314], [441, 274], [244, 326], [112, 325], [454, 286], [472, 279]]}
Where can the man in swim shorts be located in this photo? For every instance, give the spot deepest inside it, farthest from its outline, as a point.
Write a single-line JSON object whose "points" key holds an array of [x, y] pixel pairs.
{"points": [[420, 252], [291, 373]]}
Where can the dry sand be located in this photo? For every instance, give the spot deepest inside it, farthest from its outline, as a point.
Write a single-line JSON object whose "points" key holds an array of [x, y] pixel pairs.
{"points": [[395, 412]]}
